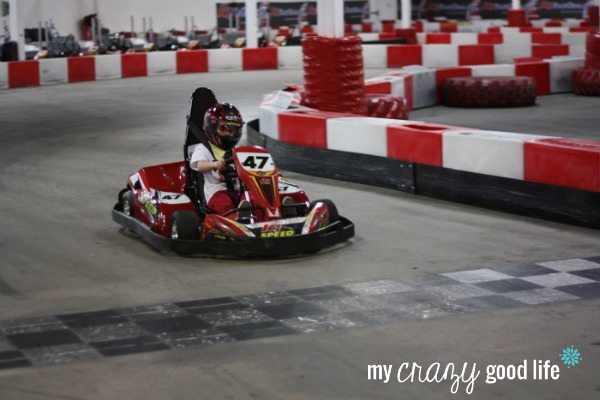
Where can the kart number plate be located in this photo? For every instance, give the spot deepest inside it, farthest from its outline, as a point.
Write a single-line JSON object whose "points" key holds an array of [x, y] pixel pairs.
{"points": [[256, 161]]}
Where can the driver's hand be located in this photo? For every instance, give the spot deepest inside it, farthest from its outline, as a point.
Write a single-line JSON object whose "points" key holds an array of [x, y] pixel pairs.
{"points": [[220, 165]]}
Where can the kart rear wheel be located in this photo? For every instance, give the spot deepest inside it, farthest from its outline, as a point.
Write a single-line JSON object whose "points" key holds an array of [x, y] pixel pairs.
{"points": [[184, 226], [127, 203], [333, 212]]}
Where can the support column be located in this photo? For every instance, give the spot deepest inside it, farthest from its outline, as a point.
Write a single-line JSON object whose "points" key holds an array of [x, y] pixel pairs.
{"points": [[251, 24], [17, 33], [330, 18], [406, 14]]}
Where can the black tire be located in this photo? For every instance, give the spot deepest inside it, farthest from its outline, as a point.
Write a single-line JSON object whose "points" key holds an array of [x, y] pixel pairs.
{"points": [[127, 203], [184, 226], [586, 82], [333, 212], [489, 91]]}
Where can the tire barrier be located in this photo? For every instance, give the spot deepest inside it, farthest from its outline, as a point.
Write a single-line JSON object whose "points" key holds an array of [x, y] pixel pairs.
{"points": [[592, 50], [333, 74], [489, 91], [387, 106], [586, 81]]}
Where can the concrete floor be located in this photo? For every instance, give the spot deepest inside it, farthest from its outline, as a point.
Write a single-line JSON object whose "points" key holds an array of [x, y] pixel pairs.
{"points": [[67, 150]]}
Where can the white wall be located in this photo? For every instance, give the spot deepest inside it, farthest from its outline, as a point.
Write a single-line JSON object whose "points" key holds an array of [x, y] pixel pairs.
{"points": [[66, 14]]}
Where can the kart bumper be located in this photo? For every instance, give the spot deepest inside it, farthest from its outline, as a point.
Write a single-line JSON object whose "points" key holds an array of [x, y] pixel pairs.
{"points": [[328, 236]]}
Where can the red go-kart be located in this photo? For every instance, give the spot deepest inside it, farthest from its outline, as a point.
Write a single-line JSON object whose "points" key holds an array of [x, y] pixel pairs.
{"points": [[163, 205]]}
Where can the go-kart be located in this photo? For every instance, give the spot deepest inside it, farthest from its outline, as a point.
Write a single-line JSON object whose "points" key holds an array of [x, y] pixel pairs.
{"points": [[165, 205]]}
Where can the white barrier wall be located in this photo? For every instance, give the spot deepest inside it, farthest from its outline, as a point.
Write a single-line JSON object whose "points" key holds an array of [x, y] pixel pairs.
{"points": [[225, 59], [53, 71], [374, 56], [161, 62], [269, 121], [289, 58], [440, 55], [108, 67], [493, 70], [3, 75], [486, 152], [359, 135], [424, 86], [561, 72]]}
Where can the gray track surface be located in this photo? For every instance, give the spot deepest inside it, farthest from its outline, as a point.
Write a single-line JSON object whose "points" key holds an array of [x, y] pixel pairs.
{"points": [[67, 150]]}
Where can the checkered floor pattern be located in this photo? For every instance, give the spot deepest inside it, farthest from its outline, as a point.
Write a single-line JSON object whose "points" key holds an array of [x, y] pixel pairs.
{"points": [[107, 333]]}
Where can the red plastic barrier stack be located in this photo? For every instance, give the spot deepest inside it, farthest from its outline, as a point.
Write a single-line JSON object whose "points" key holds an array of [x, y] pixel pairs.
{"points": [[592, 50], [333, 74]]}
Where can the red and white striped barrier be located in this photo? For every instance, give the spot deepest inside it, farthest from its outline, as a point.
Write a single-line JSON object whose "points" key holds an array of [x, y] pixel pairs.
{"points": [[78, 69], [571, 163], [551, 75], [465, 49]]}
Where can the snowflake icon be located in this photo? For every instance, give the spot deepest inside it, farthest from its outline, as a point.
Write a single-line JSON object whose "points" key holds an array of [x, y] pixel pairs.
{"points": [[570, 356]]}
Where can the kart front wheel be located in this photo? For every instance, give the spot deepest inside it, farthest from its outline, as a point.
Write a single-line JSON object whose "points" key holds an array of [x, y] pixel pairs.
{"points": [[184, 226], [127, 203], [333, 212]]}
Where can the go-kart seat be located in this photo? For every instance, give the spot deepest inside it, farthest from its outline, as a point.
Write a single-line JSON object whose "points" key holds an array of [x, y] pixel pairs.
{"points": [[202, 99]]}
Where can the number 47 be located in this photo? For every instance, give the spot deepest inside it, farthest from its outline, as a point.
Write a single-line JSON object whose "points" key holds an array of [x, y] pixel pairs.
{"points": [[250, 162]]}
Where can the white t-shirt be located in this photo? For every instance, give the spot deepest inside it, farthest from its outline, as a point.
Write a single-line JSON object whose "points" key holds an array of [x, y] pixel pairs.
{"points": [[212, 181]]}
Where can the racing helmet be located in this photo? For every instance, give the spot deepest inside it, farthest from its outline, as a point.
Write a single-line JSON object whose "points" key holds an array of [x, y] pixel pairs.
{"points": [[223, 125]]}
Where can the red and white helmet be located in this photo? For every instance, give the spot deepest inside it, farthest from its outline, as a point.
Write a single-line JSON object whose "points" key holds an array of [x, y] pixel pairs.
{"points": [[223, 125]]}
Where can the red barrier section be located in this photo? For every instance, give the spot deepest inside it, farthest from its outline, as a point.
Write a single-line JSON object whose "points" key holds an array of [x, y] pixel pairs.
{"points": [[546, 38], [475, 54], [262, 58], [409, 34], [540, 71], [448, 27], [402, 55], [579, 29], [192, 61], [572, 163], [306, 128], [133, 65], [494, 29], [420, 143], [366, 27], [438, 38], [378, 88], [549, 50], [387, 36], [490, 38], [517, 18], [444, 73], [592, 50], [387, 26], [81, 69], [23, 73], [333, 74]]}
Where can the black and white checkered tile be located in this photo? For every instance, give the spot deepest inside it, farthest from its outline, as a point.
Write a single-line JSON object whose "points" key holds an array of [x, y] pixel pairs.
{"points": [[108, 333]]}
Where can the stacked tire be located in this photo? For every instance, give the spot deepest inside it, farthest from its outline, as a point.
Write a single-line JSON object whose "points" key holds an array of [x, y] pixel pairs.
{"points": [[489, 91], [387, 106], [333, 73]]}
